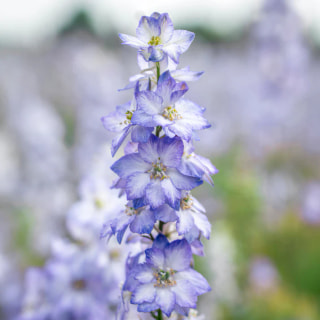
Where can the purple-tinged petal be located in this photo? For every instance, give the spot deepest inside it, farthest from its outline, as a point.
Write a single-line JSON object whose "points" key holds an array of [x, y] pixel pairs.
{"points": [[159, 120], [197, 205], [181, 181], [160, 242], [185, 74], [144, 274], [143, 293], [180, 310], [120, 234], [171, 193], [117, 141], [143, 222], [197, 281], [197, 248], [148, 27], [155, 257], [149, 151], [178, 255], [147, 307], [202, 223], [182, 129], [166, 27], [185, 221], [131, 147], [131, 41], [166, 300], [178, 44], [138, 203], [155, 53], [149, 102], [166, 85], [165, 213], [185, 294], [114, 121], [170, 151], [180, 90], [140, 134], [154, 194], [136, 185], [129, 164], [139, 117]]}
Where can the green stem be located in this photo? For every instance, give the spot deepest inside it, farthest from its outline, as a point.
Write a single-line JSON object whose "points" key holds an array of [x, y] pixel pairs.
{"points": [[160, 314], [158, 71], [161, 224], [158, 130]]}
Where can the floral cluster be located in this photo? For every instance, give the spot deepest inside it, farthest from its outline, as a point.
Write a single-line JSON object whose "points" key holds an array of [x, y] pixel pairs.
{"points": [[157, 173]]}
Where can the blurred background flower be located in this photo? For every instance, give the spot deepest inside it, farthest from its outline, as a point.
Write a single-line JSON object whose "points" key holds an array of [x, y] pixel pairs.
{"points": [[60, 67]]}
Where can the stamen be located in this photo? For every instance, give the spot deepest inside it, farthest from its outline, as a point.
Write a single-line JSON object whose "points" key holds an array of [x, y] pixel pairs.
{"points": [[130, 211], [158, 171], [171, 113], [186, 203], [155, 41], [163, 278]]}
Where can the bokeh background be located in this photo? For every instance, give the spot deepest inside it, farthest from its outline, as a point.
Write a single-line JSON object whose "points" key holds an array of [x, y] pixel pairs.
{"points": [[61, 65]]}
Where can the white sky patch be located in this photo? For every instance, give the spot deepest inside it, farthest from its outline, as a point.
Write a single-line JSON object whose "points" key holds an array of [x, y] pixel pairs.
{"points": [[26, 22]]}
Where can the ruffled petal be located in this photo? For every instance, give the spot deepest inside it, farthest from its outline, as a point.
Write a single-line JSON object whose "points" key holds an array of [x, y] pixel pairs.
{"points": [[171, 193], [143, 222], [149, 151], [178, 255], [143, 293], [129, 164], [149, 102], [131, 41], [136, 185], [155, 257], [155, 194], [170, 151], [178, 44], [181, 181], [165, 300]]}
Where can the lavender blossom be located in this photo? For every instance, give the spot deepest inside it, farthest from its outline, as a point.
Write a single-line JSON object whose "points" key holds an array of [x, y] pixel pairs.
{"points": [[156, 38]]}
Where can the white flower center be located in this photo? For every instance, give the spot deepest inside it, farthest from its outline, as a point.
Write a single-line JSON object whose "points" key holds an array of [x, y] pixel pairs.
{"points": [[158, 171], [171, 113], [164, 278]]}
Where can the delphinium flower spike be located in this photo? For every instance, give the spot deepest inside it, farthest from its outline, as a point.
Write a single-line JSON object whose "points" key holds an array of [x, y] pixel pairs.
{"points": [[156, 174]]}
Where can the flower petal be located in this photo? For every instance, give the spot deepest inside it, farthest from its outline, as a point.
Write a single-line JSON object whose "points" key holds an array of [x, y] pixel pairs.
{"points": [[131, 41], [171, 193], [178, 255], [148, 27], [160, 242], [149, 102], [165, 213], [155, 194], [129, 164], [181, 181], [143, 222], [149, 151], [140, 134], [136, 185], [144, 273], [165, 300], [185, 294], [117, 141], [143, 293], [170, 151], [155, 257], [196, 280], [185, 221], [166, 27], [179, 43]]}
